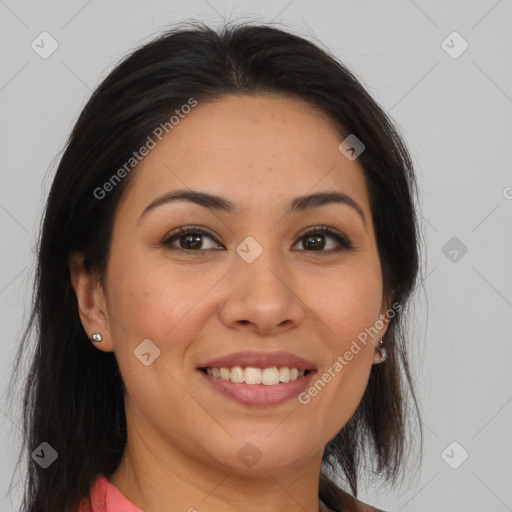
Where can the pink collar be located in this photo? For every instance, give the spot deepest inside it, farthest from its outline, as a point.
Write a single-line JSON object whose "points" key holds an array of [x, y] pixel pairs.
{"points": [[106, 497]]}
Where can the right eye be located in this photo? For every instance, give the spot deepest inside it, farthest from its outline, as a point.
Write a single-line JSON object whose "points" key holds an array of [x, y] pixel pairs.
{"points": [[189, 240]]}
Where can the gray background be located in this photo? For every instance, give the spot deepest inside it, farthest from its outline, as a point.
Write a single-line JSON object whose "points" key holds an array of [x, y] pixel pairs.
{"points": [[455, 115]]}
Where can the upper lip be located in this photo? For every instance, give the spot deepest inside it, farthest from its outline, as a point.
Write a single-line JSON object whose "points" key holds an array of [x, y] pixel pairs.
{"points": [[259, 360]]}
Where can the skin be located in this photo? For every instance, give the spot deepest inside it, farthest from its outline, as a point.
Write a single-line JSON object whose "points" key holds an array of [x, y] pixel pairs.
{"points": [[183, 437]]}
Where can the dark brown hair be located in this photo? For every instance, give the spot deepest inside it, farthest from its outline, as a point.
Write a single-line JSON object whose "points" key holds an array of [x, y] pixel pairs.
{"points": [[73, 395]]}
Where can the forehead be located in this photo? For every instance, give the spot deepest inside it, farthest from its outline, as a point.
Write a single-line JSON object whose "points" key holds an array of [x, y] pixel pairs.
{"points": [[257, 150]]}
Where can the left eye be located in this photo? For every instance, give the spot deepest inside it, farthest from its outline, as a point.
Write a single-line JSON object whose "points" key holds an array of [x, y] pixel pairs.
{"points": [[316, 240], [191, 241]]}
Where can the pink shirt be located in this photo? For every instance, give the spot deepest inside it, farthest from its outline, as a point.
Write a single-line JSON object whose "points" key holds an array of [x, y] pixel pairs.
{"points": [[106, 497]]}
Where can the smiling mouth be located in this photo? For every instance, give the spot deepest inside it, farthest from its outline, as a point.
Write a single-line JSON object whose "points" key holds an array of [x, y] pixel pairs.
{"points": [[270, 376]]}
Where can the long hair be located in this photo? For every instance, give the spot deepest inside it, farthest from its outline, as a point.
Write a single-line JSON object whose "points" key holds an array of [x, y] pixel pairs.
{"points": [[73, 394]]}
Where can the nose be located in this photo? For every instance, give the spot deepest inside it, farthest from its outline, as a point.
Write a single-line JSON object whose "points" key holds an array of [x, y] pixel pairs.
{"points": [[262, 296]]}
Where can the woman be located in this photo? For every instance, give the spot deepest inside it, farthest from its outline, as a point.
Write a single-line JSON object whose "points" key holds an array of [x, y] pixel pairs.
{"points": [[229, 245]]}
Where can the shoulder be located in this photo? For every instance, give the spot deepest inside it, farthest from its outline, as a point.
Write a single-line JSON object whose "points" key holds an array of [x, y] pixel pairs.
{"points": [[106, 497], [338, 500], [351, 505], [364, 507]]}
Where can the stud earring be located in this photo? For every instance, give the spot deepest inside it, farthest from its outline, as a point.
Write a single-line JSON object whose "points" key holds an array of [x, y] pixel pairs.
{"points": [[96, 337], [383, 353]]}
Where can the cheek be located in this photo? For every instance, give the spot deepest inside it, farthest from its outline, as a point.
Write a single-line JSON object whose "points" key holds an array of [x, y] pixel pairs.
{"points": [[148, 299], [151, 299], [348, 303], [348, 306]]}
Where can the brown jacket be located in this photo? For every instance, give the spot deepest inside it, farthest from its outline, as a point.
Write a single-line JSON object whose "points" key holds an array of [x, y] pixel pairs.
{"points": [[338, 500]]}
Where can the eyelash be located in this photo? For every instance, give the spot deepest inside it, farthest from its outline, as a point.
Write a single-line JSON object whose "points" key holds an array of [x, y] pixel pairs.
{"points": [[344, 244]]}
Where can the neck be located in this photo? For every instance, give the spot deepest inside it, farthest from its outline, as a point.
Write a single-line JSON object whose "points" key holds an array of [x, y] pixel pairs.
{"points": [[159, 478]]}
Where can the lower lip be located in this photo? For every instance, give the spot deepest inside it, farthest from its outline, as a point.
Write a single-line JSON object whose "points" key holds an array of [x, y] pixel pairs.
{"points": [[259, 394]]}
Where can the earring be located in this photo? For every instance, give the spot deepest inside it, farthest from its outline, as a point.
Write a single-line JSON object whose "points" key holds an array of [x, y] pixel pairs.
{"points": [[383, 352], [96, 337]]}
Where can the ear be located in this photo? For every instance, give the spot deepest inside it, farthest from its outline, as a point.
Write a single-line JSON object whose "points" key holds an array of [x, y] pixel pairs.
{"points": [[92, 304]]}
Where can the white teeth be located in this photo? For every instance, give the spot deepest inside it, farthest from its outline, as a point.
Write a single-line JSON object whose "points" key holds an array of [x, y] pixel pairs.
{"points": [[252, 376], [267, 376], [270, 376], [284, 374], [237, 374]]}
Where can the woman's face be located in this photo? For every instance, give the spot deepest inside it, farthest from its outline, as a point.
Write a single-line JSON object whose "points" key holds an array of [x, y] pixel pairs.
{"points": [[261, 278]]}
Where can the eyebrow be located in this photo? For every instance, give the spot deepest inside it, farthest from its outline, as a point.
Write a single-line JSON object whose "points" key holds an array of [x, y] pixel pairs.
{"points": [[214, 202]]}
